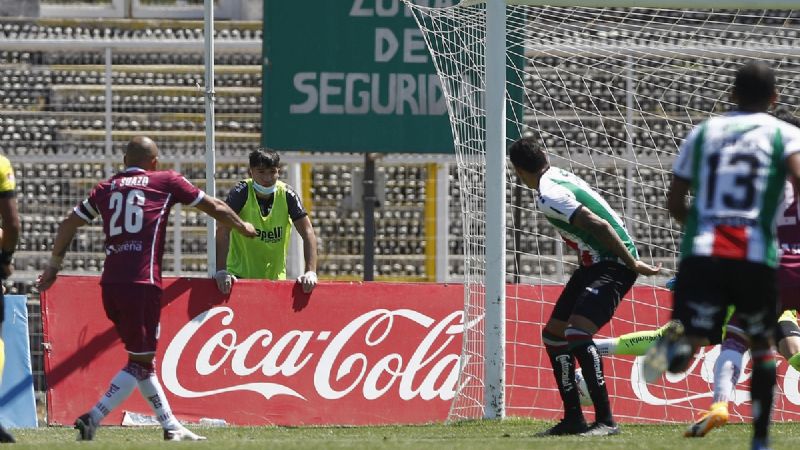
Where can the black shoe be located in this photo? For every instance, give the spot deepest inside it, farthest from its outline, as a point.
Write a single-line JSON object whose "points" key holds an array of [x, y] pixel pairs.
{"points": [[565, 427], [5, 436], [601, 429], [86, 427]]}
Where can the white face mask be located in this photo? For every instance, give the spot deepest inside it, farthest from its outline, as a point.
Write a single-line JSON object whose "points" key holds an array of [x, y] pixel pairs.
{"points": [[263, 189]]}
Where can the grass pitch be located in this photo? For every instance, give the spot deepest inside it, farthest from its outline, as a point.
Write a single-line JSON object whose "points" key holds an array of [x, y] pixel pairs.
{"points": [[509, 434]]}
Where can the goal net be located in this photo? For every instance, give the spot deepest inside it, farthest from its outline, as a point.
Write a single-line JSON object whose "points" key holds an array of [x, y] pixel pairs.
{"points": [[610, 93]]}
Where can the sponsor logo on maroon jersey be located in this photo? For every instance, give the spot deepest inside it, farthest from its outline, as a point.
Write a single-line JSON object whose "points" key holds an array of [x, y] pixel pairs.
{"points": [[127, 246]]}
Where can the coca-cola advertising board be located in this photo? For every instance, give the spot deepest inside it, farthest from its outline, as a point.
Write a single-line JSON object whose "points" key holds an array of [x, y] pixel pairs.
{"points": [[350, 353]]}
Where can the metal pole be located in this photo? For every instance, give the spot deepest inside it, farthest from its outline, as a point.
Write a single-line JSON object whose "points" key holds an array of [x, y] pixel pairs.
{"points": [[295, 264], [108, 116], [495, 179], [211, 186], [369, 217]]}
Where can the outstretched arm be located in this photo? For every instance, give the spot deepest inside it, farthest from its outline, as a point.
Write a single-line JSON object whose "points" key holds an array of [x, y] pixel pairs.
{"points": [[227, 219], [220, 210], [66, 231]]}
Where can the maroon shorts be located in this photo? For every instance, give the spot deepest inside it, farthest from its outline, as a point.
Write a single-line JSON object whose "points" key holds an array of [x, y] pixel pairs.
{"points": [[789, 297], [135, 310]]}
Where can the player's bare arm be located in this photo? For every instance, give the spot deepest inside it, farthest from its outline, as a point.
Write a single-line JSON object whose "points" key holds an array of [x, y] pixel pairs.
{"points": [[590, 222], [11, 230], [306, 231], [220, 210], [227, 219], [676, 199], [793, 168], [223, 241], [223, 244], [66, 231]]}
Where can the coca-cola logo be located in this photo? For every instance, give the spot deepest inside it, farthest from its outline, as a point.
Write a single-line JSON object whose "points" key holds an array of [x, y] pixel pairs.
{"points": [[702, 369], [428, 371]]}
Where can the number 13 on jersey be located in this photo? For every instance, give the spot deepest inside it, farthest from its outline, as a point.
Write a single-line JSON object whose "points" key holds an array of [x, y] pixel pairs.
{"points": [[734, 178]]}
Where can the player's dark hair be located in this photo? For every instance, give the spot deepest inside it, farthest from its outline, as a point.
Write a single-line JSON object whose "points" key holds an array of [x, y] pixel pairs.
{"points": [[527, 154], [754, 86], [265, 157]]}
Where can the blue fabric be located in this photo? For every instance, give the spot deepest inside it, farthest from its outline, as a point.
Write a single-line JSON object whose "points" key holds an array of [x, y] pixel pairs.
{"points": [[17, 401]]}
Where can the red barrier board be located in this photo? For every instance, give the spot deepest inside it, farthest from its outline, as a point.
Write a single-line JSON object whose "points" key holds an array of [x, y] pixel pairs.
{"points": [[531, 389], [350, 353]]}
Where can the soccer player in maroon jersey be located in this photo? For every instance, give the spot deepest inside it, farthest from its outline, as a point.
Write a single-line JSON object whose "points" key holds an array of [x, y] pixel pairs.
{"points": [[135, 206]]}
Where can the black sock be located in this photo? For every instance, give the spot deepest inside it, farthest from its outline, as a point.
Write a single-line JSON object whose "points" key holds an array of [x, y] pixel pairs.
{"points": [[564, 371], [762, 387], [592, 366]]}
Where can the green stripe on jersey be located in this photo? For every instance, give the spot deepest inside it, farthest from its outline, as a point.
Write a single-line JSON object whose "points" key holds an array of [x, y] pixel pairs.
{"points": [[588, 201], [692, 224], [772, 193]]}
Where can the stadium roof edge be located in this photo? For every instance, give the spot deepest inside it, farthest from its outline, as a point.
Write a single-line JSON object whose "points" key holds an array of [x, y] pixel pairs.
{"points": [[252, 46], [135, 23]]}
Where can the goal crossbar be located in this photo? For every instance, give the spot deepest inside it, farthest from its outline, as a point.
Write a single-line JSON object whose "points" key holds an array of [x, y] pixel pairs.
{"points": [[674, 4], [674, 51]]}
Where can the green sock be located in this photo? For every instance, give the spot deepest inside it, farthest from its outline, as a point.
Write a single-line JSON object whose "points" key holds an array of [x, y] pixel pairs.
{"points": [[636, 344], [794, 361]]}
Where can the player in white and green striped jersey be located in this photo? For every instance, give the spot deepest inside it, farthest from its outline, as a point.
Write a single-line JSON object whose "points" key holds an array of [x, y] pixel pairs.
{"points": [[735, 166], [609, 267]]}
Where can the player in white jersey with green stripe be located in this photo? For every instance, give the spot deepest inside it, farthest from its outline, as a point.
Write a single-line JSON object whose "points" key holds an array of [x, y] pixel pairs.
{"points": [[609, 267], [735, 166]]}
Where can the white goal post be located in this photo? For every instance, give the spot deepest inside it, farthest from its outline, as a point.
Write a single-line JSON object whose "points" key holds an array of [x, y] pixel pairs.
{"points": [[492, 37]]}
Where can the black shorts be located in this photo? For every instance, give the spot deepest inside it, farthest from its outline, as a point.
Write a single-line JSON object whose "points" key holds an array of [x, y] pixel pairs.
{"points": [[594, 292], [786, 328], [706, 286]]}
